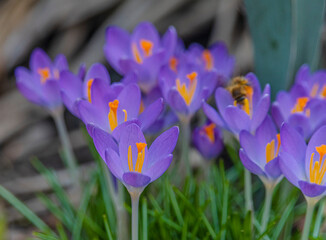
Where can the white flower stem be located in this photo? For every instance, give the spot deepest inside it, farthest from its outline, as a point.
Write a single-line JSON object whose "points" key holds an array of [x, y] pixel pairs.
{"points": [[268, 202], [248, 191], [309, 213], [134, 216], [186, 132], [66, 145]]}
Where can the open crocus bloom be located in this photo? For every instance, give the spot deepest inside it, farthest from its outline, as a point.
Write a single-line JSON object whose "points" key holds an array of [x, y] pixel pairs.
{"points": [[208, 140], [143, 52], [109, 110], [259, 152], [74, 88], [236, 116], [131, 161], [185, 89], [300, 107], [40, 84], [304, 166], [216, 58]]}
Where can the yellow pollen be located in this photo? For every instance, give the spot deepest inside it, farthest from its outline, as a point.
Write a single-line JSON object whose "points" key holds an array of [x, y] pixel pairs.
{"points": [[113, 119], [89, 86], [126, 115], [208, 58], [317, 170], [173, 63], [314, 90], [187, 93], [136, 53], [192, 76], [300, 104], [140, 157], [142, 107], [147, 47], [44, 73], [270, 151], [209, 131], [323, 92]]}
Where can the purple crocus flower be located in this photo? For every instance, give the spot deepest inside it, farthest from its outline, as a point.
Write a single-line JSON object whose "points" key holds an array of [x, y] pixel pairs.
{"points": [[109, 109], [40, 84], [300, 107], [131, 161], [143, 52], [74, 88], [259, 152], [208, 140], [185, 89], [245, 111], [216, 58], [304, 166]]}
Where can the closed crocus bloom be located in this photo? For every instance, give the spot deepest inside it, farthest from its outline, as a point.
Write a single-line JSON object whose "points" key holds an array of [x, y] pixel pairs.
{"points": [[40, 84], [301, 106], [143, 52], [131, 161], [208, 140], [75, 87], [241, 106], [304, 166], [109, 110], [259, 152], [185, 89], [216, 58]]}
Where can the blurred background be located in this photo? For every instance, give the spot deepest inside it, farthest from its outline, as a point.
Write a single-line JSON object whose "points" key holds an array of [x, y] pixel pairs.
{"points": [[76, 28]]}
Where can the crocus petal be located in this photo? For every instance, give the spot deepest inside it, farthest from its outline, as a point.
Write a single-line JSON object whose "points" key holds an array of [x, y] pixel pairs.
{"points": [[159, 167], [71, 104], [146, 31], [311, 189], [97, 70], [39, 59], [276, 114], [61, 63], [169, 42], [71, 85], [162, 146], [250, 165], [119, 129], [237, 119], [260, 112], [51, 90], [101, 94], [212, 115], [131, 135], [176, 102], [29, 94], [293, 143], [150, 114], [301, 123], [135, 179], [290, 168], [129, 99], [255, 150], [102, 140], [112, 160], [302, 74], [256, 86], [266, 132], [116, 46], [223, 99], [319, 138], [272, 168]]}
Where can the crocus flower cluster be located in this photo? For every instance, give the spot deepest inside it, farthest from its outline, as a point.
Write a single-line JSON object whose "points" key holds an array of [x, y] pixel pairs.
{"points": [[163, 83]]}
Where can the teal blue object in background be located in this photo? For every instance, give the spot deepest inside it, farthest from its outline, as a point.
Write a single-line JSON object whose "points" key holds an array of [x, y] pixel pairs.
{"points": [[286, 34]]}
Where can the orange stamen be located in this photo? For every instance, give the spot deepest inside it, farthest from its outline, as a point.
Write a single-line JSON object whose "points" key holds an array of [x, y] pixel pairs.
{"points": [[173, 63], [208, 58], [89, 86], [136, 53], [209, 130], [192, 76], [140, 157], [187, 94], [113, 120], [317, 170], [270, 151], [300, 104], [44, 73], [147, 47], [323, 92], [142, 107]]}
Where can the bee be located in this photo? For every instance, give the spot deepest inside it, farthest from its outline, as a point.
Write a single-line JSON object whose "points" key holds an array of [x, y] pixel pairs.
{"points": [[239, 87]]}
